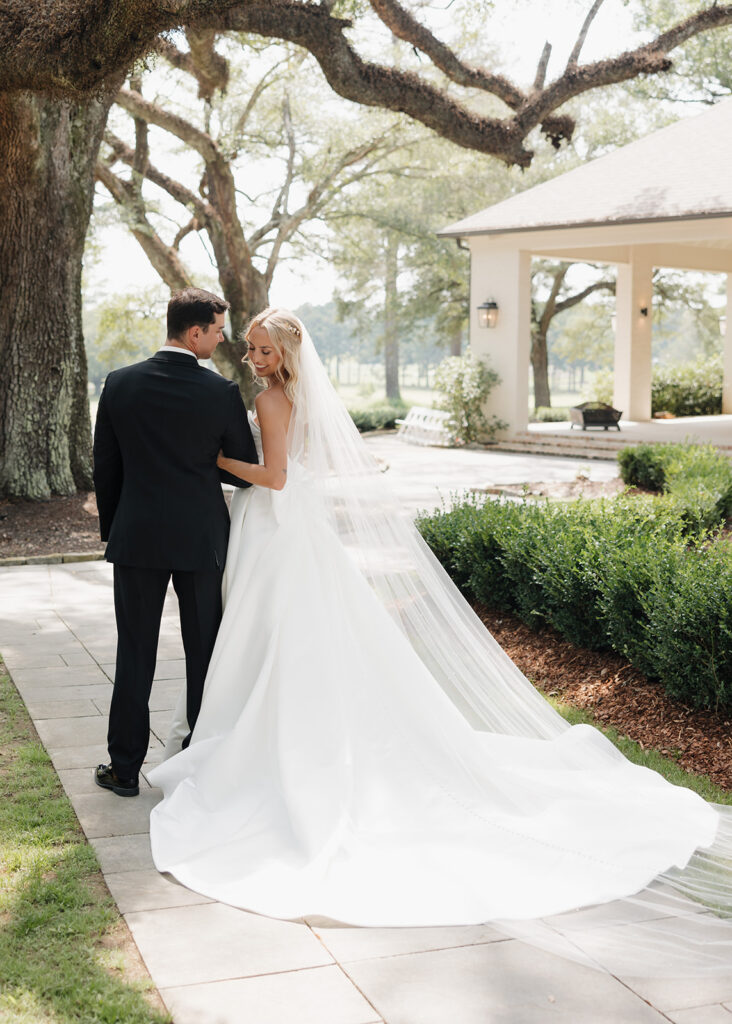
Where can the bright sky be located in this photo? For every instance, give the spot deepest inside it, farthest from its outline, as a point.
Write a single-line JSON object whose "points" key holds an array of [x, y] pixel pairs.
{"points": [[519, 30]]}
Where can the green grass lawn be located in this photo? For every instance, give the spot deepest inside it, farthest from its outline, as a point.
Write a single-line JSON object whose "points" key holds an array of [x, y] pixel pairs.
{"points": [[65, 954]]}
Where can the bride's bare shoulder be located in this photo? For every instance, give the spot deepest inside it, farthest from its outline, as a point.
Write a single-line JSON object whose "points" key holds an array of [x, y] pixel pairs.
{"points": [[273, 404]]}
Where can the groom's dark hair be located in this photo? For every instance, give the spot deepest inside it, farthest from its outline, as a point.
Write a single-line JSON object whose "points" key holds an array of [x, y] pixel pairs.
{"points": [[193, 307]]}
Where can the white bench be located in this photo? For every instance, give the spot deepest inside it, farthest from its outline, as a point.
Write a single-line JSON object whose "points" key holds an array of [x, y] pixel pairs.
{"points": [[425, 426]]}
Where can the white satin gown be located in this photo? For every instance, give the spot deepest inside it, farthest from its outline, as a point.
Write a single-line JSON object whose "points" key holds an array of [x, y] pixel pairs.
{"points": [[330, 774]]}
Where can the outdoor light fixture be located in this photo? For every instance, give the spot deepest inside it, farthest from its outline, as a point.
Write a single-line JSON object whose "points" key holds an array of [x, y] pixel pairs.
{"points": [[488, 313], [644, 311], [723, 325]]}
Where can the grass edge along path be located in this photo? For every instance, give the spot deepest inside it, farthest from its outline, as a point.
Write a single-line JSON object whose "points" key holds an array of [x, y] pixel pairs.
{"points": [[66, 954], [647, 757]]}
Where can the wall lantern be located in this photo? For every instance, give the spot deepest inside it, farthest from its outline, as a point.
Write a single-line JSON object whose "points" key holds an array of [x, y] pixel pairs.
{"points": [[488, 313], [644, 311], [723, 325]]}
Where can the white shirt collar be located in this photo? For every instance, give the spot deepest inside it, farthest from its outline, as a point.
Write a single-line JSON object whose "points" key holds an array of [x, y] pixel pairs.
{"points": [[174, 348]]}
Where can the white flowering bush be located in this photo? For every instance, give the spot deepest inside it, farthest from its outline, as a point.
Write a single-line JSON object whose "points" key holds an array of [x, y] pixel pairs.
{"points": [[465, 384]]}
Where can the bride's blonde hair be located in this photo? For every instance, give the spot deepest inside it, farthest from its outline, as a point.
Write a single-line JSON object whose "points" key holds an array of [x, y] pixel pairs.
{"points": [[285, 333]]}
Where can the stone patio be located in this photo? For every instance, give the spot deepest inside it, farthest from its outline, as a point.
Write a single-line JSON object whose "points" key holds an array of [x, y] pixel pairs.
{"points": [[214, 964]]}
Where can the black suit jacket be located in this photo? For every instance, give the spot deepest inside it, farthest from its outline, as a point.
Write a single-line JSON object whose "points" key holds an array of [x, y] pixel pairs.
{"points": [[160, 425]]}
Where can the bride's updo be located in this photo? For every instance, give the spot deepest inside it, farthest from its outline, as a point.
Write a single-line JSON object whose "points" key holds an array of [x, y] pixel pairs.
{"points": [[285, 333]]}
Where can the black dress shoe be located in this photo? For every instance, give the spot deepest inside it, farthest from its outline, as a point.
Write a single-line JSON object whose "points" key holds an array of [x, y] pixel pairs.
{"points": [[106, 777]]}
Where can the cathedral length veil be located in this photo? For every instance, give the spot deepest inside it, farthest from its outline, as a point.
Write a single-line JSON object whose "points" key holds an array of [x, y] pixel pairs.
{"points": [[681, 923]]}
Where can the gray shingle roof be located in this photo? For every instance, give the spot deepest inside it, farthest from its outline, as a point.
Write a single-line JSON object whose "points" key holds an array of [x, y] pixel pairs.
{"points": [[682, 171]]}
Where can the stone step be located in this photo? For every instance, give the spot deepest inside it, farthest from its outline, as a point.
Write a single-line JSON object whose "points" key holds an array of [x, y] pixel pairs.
{"points": [[579, 445], [575, 451]]}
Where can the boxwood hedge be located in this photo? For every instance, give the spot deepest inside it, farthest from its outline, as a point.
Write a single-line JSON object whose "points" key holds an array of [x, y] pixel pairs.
{"points": [[648, 576]]}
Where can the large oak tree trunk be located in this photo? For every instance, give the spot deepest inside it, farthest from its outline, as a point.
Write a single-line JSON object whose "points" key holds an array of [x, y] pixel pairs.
{"points": [[540, 365], [391, 318], [48, 150]]}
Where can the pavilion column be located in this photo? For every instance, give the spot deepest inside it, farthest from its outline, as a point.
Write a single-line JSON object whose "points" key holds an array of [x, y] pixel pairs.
{"points": [[727, 354], [633, 338], [503, 275]]}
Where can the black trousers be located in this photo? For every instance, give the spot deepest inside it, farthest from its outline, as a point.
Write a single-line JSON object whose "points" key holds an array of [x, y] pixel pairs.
{"points": [[139, 595]]}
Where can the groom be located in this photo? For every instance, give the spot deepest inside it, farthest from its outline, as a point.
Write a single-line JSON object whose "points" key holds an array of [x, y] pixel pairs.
{"points": [[160, 425]]}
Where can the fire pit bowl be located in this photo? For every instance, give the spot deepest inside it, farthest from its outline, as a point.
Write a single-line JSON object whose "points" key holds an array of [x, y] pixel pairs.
{"points": [[594, 414]]}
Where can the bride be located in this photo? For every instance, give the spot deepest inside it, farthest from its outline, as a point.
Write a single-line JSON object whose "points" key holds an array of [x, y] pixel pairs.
{"points": [[365, 750]]}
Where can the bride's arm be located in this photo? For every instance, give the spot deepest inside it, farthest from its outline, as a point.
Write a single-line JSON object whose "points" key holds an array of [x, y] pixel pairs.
{"points": [[273, 414]]}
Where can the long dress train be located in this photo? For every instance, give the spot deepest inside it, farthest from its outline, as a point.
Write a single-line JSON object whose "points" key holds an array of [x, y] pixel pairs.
{"points": [[329, 773]]}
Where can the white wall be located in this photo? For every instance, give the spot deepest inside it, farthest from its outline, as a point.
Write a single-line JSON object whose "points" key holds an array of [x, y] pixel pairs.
{"points": [[633, 332], [502, 273], [727, 358]]}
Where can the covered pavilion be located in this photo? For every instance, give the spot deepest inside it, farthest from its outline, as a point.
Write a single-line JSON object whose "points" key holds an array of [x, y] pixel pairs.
{"points": [[662, 201]]}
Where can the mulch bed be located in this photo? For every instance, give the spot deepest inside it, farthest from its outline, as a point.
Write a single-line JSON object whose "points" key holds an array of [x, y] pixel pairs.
{"points": [[618, 695], [49, 527], [605, 685]]}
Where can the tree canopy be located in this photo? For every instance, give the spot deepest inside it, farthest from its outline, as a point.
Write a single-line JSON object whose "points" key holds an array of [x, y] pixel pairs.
{"points": [[71, 48]]}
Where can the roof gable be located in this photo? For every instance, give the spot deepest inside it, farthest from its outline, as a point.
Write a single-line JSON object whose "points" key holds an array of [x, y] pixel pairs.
{"points": [[681, 171]]}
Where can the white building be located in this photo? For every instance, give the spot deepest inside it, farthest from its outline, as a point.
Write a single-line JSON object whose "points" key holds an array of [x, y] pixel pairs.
{"points": [[663, 201]]}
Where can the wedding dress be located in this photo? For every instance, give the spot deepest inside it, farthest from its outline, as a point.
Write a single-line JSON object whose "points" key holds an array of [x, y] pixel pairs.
{"points": [[366, 752]]}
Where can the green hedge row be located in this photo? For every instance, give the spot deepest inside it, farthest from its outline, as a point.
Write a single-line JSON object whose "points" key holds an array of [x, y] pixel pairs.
{"points": [[696, 478], [637, 574], [691, 389], [379, 416]]}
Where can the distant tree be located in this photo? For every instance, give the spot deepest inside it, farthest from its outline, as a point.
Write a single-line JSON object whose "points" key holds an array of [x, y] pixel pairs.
{"points": [[63, 63], [248, 234], [124, 328], [551, 279]]}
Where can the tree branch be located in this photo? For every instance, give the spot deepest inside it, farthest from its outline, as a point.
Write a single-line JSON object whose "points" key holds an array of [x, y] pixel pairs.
{"points": [[209, 67], [264, 82], [71, 49], [282, 201], [175, 57], [202, 210], [650, 58], [550, 306], [134, 104], [573, 300], [540, 77], [373, 84], [404, 26], [164, 259], [187, 229], [577, 48]]}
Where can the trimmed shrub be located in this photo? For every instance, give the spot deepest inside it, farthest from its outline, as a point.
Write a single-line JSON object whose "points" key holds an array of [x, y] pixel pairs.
{"points": [[550, 414], [379, 416], [690, 626], [480, 555], [643, 561], [451, 535], [691, 389], [638, 574], [570, 562], [696, 478], [644, 465]]}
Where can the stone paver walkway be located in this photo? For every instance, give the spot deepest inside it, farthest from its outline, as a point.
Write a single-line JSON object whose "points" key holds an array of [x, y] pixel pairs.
{"points": [[214, 964], [426, 478]]}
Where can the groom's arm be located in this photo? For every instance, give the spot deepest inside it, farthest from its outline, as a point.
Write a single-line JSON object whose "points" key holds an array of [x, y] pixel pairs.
{"points": [[237, 437], [107, 467]]}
